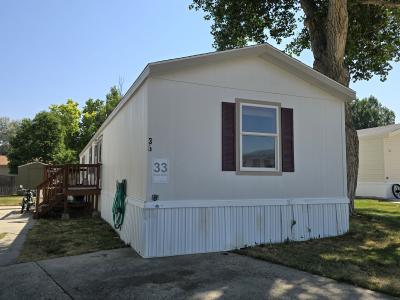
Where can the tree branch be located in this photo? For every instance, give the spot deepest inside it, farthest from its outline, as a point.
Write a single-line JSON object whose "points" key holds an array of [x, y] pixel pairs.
{"points": [[387, 4]]}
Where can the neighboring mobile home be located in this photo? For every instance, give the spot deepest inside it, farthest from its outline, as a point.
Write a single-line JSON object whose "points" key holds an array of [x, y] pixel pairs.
{"points": [[379, 161], [30, 175], [224, 150]]}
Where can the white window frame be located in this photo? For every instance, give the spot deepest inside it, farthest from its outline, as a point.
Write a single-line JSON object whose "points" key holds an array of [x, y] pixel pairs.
{"points": [[240, 133]]}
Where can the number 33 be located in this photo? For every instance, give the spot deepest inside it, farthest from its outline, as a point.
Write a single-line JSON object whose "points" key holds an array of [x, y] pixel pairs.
{"points": [[160, 167]]}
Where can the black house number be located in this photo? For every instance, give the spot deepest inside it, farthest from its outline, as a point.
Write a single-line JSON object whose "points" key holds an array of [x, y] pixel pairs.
{"points": [[150, 143], [160, 167]]}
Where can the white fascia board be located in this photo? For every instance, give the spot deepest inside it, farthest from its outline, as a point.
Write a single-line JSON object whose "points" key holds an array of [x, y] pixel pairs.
{"points": [[295, 66], [394, 133]]}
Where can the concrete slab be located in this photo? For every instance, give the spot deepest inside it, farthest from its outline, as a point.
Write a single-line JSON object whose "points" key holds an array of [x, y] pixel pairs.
{"points": [[16, 226], [122, 274], [28, 281]]}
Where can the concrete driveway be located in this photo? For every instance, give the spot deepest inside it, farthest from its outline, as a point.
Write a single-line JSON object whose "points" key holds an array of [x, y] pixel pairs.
{"points": [[122, 274], [16, 226]]}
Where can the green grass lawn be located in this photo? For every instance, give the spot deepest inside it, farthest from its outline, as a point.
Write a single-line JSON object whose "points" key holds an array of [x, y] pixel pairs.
{"points": [[368, 256], [10, 200], [51, 238]]}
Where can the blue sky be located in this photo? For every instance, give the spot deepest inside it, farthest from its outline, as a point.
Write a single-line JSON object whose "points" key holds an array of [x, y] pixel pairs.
{"points": [[52, 50]]}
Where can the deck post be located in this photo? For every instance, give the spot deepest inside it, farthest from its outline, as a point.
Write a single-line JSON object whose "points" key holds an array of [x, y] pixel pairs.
{"points": [[37, 203], [65, 214], [95, 212]]}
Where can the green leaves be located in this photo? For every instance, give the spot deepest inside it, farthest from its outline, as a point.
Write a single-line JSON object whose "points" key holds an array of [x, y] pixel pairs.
{"points": [[58, 135], [69, 115], [94, 113], [7, 131], [238, 23], [35, 140], [369, 112], [373, 42]]}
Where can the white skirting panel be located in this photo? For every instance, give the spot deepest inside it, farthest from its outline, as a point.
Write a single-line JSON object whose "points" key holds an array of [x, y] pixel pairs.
{"points": [[132, 231], [168, 231], [176, 231]]}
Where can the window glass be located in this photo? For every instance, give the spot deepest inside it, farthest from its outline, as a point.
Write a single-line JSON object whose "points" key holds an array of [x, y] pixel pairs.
{"points": [[90, 155], [258, 151], [96, 148], [100, 143], [258, 119]]}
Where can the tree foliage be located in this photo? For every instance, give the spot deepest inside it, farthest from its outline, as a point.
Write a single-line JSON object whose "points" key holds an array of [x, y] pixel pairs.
{"points": [[112, 100], [39, 139], [95, 112], [7, 131], [93, 115], [58, 135], [373, 42], [69, 115], [369, 112]]}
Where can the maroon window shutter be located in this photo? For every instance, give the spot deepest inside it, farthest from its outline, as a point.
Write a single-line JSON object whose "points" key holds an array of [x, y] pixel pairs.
{"points": [[228, 136], [287, 139]]}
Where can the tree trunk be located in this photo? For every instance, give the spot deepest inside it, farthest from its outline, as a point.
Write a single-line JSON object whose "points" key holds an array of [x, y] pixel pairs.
{"points": [[352, 157], [328, 43]]}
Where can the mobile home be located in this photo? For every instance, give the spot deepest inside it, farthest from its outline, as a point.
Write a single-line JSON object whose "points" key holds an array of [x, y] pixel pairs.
{"points": [[379, 161], [225, 150]]}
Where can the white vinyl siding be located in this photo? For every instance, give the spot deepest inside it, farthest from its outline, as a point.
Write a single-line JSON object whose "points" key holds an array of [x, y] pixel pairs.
{"points": [[185, 125], [392, 158], [371, 160]]}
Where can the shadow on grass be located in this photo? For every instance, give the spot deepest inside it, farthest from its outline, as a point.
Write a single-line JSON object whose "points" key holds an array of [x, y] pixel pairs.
{"points": [[367, 256]]}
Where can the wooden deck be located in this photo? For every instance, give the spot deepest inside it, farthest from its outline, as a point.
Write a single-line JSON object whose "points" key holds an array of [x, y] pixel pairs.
{"points": [[79, 182]]}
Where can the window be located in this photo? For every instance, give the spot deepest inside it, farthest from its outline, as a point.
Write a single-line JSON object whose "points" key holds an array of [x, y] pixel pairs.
{"points": [[90, 155], [96, 149], [99, 149], [259, 136]]}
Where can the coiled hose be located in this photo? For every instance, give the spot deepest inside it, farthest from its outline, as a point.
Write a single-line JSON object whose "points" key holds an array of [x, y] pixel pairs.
{"points": [[118, 209]]}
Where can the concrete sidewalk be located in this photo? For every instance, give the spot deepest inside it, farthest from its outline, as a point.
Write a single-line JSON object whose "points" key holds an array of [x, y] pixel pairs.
{"points": [[16, 226], [122, 274]]}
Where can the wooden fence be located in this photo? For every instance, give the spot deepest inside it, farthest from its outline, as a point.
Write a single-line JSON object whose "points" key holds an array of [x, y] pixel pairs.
{"points": [[7, 185]]}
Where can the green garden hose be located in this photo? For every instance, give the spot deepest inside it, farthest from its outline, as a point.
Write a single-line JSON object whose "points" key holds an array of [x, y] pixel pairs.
{"points": [[118, 208]]}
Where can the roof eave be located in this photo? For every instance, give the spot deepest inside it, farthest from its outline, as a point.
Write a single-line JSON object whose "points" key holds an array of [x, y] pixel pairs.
{"points": [[284, 60], [131, 91]]}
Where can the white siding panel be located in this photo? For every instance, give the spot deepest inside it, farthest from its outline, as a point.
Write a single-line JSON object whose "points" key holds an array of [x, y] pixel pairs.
{"points": [[273, 221], [371, 160], [329, 215], [342, 212], [176, 231], [301, 227], [392, 158], [132, 231], [286, 223], [316, 221]]}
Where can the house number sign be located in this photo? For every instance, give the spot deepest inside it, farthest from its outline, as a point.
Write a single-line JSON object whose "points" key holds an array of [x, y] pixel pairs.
{"points": [[160, 170]]}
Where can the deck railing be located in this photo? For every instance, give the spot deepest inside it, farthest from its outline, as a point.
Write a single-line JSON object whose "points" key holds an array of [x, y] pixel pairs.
{"points": [[69, 179], [77, 175]]}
